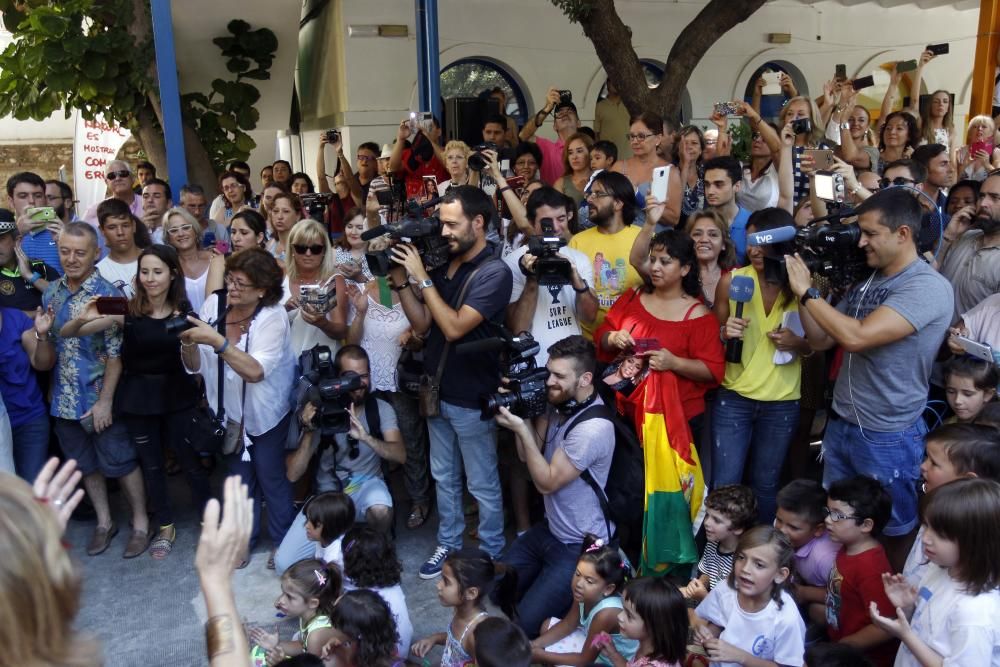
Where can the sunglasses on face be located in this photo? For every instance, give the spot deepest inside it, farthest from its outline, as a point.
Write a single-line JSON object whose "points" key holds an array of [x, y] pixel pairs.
{"points": [[124, 173], [316, 249], [174, 231], [899, 180]]}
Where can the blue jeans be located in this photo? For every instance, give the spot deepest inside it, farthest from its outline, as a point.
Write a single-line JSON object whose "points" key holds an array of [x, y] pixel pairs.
{"points": [[761, 429], [459, 438], [295, 546], [891, 458], [265, 476], [31, 447], [545, 569]]}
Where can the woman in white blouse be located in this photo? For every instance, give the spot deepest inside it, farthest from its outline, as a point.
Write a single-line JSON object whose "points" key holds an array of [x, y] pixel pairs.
{"points": [[258, 375], [311, 265]]}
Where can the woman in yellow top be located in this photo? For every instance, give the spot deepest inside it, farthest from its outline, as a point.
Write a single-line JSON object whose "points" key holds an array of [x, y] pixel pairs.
{"points": [[756, 413]]}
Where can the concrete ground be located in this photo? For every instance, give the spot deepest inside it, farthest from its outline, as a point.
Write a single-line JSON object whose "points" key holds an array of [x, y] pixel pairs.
{"points": [[149, 613]]}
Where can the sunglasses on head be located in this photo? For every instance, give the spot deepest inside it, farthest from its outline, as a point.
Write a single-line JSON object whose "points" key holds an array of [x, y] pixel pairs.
{"points": [[124, 173], [316, 249]]}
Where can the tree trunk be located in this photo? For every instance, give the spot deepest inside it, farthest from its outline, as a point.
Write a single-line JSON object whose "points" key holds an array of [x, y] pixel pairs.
{"points": [[612, 41]]}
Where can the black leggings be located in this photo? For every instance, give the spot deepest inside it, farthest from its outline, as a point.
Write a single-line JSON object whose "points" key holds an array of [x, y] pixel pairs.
{"points": [[149, 434]]}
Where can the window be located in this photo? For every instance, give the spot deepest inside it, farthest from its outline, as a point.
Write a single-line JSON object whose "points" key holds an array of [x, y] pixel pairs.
{"points": [[654, 73], [472, 77], [770, 104]]}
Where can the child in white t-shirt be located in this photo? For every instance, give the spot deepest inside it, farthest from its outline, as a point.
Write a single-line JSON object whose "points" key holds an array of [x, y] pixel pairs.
{"points": [[328, 516]]}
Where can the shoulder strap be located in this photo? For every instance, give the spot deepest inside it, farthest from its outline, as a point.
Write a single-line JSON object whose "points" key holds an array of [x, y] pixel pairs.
{"points": [[220, 325], [599, 411], [691, 310], [456, 305], [372, 416]]}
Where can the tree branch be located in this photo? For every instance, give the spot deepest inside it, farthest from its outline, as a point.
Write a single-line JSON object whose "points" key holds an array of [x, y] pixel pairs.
{"points": [[711, 23]]}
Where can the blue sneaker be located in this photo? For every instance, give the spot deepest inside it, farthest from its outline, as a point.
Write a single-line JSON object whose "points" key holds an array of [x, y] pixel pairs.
{"points": [[435, 563]]}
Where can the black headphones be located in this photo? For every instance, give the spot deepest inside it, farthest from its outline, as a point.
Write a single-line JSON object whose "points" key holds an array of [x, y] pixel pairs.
{"points": [[573, 406]]}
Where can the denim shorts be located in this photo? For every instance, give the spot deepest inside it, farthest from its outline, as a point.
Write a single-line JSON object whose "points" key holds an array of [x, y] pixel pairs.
{"points": [[109, 452], [369, 493], [891, 458]]}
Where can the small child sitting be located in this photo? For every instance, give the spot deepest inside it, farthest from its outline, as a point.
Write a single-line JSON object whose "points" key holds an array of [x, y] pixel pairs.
{"points": [[328, 516], [730, 510], [857, 510], [500, 643], [801, 517]]}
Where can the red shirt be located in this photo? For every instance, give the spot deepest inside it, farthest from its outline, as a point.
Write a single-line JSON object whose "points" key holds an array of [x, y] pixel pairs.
{"points": [[696, 338], [415, 177], [335, 213], [855, 582]]}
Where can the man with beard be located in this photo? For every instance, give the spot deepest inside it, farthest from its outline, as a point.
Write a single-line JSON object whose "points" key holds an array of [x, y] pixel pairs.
{"points": [[973, 261], [458, 436], [610, 206], [545, 556], [60, 197], [351, 463], [891, 326]]}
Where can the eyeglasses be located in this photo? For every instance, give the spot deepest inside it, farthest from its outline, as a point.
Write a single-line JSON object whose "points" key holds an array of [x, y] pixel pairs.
{"points": [[317, 249], [54, 197], [124, 173], [364, 158], [173, 231], [899, 180], [837, 515], [597, 195], [640, 137], [238, 284]]}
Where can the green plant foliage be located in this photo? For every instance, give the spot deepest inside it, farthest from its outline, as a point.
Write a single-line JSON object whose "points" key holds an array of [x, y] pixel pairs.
{"points": [[80, 54], [575, 10], [740, 134]]}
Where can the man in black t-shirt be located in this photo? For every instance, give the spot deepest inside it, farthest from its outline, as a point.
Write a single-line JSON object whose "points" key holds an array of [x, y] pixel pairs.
{"points": [[458, 436], [22, 280]]}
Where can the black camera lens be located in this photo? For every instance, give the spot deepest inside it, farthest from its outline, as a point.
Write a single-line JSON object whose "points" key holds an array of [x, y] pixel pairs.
{"points": [[490, 404], [176, 325]]}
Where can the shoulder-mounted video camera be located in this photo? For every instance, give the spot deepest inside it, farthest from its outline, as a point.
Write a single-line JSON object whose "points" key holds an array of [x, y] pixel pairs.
{"points": [[423, 232]]}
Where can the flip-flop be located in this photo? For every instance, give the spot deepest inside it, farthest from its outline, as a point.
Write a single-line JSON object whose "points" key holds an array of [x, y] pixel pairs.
{"points": [[418, 516]]}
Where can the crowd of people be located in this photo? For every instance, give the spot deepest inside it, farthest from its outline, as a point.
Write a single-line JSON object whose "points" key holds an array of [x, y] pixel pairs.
{"points": [[499, 326]]}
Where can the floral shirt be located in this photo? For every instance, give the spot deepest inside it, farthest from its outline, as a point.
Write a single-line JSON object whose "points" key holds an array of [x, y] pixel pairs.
{"points": [[80, 361]]}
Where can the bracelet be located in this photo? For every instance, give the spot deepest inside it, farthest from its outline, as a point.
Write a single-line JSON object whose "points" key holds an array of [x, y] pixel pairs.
{"points": [[543, 113], [586, 288], [34, 278], [505, 188], [722, 333], [808, 354], [47, 339], [219, 636], [223, 348], [183, 344]]}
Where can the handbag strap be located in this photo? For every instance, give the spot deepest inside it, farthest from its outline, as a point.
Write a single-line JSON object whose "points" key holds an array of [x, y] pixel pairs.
{"points": [[220, 325], [456, 305]]}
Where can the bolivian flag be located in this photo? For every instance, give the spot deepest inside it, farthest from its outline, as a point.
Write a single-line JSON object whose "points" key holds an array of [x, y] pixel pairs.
{"points": [[675, 488]]}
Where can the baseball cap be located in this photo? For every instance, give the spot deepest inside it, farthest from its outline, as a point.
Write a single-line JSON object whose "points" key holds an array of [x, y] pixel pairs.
{"points": [[7, 225], [565, 105]]}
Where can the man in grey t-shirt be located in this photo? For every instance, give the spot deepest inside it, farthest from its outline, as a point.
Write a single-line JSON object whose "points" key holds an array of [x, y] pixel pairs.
{"points": [[545, 556], [891, 326]]}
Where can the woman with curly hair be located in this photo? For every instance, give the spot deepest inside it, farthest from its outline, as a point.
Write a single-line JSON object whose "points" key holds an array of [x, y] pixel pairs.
{"points": [[258, 371], [364, 632], [370, 562]]}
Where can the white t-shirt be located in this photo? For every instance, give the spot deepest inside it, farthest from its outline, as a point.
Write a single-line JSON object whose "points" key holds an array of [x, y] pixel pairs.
{"points": [[963, 629], [332, 553], [916, 563], [762, 193], [396, 599], [121, 276], [555, 311], [769, 634]]}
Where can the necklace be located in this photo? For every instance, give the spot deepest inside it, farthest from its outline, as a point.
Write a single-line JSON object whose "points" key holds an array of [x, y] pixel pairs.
{"points": [[243, 327]]}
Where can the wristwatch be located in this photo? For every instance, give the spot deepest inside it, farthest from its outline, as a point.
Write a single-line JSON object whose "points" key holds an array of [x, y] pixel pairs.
{"points": [[424, 284], [845, 126], [811, 293]]}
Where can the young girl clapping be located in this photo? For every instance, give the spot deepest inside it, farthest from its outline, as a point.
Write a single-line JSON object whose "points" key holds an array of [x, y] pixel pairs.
{"points": [[953, 618]]}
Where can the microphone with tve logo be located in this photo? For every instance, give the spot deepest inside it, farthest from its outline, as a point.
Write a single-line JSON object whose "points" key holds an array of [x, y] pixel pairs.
{"points": [[771, 237], [740, 291]]}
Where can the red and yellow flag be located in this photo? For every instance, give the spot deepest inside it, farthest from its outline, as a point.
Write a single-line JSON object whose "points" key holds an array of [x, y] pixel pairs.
{"points": [[675, 487]]}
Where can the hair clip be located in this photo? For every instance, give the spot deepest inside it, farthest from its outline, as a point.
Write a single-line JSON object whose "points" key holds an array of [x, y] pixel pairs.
{"points": [[320, 577], [598, 543]]}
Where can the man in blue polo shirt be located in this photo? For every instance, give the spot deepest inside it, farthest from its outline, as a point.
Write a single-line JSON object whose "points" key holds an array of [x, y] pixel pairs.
{"points": [[459, 438], [723, 179], [26, 190]]}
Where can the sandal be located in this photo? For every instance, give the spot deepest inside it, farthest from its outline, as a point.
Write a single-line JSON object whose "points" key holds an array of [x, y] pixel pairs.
{"points": [[161, 546], [270, 561], [418, 515]]}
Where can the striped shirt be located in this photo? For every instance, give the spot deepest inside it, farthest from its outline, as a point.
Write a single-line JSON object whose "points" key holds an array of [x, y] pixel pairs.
{"points": [[715, 564]]}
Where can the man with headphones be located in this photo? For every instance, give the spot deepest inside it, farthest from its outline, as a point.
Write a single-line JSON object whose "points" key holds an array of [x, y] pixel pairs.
{"points": [[545, 556], [891, 326]]}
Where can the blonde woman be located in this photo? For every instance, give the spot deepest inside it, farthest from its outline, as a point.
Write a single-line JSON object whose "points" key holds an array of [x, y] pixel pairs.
{"points": [[39, 586], [203, 269], [311, 264], [456, 161], [979, 155]]}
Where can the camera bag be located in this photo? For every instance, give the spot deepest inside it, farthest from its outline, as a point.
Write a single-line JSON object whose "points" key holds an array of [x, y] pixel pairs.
{"points": [[207, 430]]}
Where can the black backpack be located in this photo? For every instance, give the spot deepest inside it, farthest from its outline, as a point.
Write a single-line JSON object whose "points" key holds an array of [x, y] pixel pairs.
{"points": [[623, 498]]}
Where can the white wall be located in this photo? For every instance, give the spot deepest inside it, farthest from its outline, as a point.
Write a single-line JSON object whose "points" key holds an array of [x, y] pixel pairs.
{"points": [[542, 48]]}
